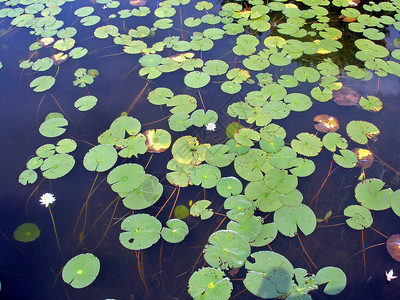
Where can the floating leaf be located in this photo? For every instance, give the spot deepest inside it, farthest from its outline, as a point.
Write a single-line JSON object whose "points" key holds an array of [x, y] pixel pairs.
{"points": [[199, 209], [27, 176], [145, 195], [181, 173], [205, 175], [175, 231], [100, 158], [250, 165], [226, 249], [347, 159], [157, 140], [371, 103], [304, 74], [346, 96], [81, 270], [307, 144], [27, 232], [332, 140], [125, 124], [270, 276], [85, 103], [326, 123], [287, 219], [57, 165], [66, 146], [360, 217], [125, 178], [42, 83], [245, 136], [209, 283], [181, 211], [229, 186], [298, 101], [218, 156], [365, 158], [369, 194], [197, 79], [361, 131], [335, 279], [141, 231]]}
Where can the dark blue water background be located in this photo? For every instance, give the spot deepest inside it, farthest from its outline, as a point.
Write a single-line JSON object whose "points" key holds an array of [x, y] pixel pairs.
{"points": [[32, 270]]}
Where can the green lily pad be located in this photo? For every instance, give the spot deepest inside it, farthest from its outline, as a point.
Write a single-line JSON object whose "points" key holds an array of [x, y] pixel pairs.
{"points": [[81, 270], [199, 209], [46, 150], [369, 194], [205, 175], [229, 186], [90, 20], [126, 178], [181, 173], [66, 146], [347, 159], [132, 146], [335, 279], [218, 156], [304, 74], [64, 44], [249, 228], [53, 127], [151, 60], [302, 167], [188, 150], [141, 231], [298, 102], [100, 158], [42, 64], [360, 217], [160, 96], [27, 232], [231, 87], [182, 103], [215, 67], [209, 283], [104, 32], [42, 83], [267, 234], [332, 140], [85, 103], [57, 165], [250, 166], [245, 136], [27, 176], [361, 131], [287, 219], [145, 195], [34, 163], [84, 11], [226, 249], [270, 276], [197, 79], [239, 207], [125, 124], [307, 144], [371, 103], [175, 231]]}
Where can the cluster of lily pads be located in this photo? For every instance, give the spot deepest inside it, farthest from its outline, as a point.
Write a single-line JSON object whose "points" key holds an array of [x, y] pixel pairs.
{"points": [[273, 36]]}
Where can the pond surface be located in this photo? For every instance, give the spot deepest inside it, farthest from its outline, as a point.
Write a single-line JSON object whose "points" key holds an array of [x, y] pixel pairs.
{"points": [[179, 67]]}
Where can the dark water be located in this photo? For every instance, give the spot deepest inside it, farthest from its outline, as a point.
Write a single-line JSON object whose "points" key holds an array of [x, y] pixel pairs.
{"points": [[32, 270]]}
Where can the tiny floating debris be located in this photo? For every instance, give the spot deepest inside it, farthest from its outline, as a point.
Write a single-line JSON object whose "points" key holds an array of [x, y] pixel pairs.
{"points": [[326, 123], [346, 96]]}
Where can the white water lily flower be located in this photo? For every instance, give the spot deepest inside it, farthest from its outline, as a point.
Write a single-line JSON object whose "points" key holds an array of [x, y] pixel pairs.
{"points": [[390, 276], [211, 126], [47, 199]]}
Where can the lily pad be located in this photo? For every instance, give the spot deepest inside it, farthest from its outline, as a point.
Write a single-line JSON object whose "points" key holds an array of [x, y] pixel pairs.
{"points": [[66, 146], [270, 276], [126, 178], [145, 195], [335, 279], [226, 249], [42, 83], [205, 175], [210, 283], [287, 219], [141, 231], [175, 231], [307, 144], [369, 194], [100, 158], [361, 131], [229, 186], [326, 123], [81, 270], [360, 217], [157, 140], [57, 165], [197, 79], [85, 103], [27, 232], [199, 209]]}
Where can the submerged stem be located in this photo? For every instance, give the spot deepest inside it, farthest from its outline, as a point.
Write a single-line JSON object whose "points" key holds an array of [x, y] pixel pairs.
{"points": [[55, 233]]}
